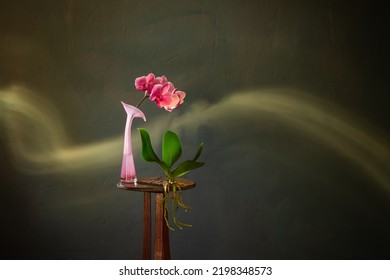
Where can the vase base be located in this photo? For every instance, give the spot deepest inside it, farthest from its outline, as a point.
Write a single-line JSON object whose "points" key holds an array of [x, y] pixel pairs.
{"points": [[129, 180]]}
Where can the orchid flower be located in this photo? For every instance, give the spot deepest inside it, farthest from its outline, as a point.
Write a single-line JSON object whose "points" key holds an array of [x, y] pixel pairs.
{"points": [[145, 83], [159, 90]]}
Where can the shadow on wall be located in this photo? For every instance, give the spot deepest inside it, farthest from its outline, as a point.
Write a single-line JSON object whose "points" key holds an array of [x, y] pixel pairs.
{"points": [[40, 144]]}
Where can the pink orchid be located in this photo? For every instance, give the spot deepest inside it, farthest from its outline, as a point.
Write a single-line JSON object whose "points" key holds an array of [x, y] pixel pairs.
{"points": [[159, 90], [146, 83], [177, 99], [163, 95]]}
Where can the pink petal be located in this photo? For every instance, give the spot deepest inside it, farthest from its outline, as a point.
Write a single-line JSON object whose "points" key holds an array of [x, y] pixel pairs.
{"points": [[150, 77], [181, 95], [162, 100], [161, 80], [168, 88], [155, 92], [173, 102], [140, 83]]}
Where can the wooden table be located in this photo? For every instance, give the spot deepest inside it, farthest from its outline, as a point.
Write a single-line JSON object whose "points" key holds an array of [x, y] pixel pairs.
{"points": [[161, 230]]}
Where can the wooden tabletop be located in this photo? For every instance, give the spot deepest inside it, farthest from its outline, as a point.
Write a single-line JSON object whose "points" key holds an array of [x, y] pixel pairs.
{"points": [[155, 185]]}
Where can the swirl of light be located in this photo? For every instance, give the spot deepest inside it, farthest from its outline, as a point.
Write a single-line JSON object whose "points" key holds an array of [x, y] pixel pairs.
{"points": [[45, 147]]}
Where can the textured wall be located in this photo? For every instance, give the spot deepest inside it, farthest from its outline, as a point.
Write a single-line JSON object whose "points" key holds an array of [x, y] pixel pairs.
{"points": [[289, 97]]}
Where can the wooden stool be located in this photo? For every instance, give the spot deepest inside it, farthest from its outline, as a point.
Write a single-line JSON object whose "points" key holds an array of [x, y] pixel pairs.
{"points": [[161, 230]]}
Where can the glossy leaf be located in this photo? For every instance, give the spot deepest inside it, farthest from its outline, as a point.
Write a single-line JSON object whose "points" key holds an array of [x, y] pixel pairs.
{"points": [[185, 167], [171, 148], [148, 153]]}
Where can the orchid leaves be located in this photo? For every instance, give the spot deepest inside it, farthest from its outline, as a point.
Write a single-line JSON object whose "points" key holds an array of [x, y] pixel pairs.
{"points": [[171, 152]]}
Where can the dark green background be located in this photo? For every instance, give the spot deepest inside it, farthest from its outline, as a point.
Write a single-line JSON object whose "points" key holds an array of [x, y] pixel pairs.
{"points": [[291, 99]]}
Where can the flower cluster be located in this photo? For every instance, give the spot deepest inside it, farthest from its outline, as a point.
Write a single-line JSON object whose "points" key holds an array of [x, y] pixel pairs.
{"points": [[161, 91]]}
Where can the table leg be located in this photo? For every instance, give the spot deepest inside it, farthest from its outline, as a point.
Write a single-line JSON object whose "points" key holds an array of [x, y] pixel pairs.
{"points": [[167, 253], [161, 238], [146, 246]]}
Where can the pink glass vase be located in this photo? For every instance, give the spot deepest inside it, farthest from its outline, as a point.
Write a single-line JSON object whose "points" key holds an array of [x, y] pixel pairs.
{"points": [[128, 174]]}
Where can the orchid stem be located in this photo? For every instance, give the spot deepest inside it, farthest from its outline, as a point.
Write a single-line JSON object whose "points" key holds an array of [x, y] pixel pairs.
{"points": [[142, 100]]}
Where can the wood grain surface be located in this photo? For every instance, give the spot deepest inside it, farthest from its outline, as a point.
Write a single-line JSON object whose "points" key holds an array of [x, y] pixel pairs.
{"points": [[155, 184]]}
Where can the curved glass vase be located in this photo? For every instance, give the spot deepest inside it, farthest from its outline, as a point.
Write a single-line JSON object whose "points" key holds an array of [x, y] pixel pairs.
{"points": [[128, 174]]}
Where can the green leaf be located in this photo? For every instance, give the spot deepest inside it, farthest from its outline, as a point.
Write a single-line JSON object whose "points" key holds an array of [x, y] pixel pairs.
{"points": [[148, 153], [200, 148], [185, 167], [171, 148]]}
